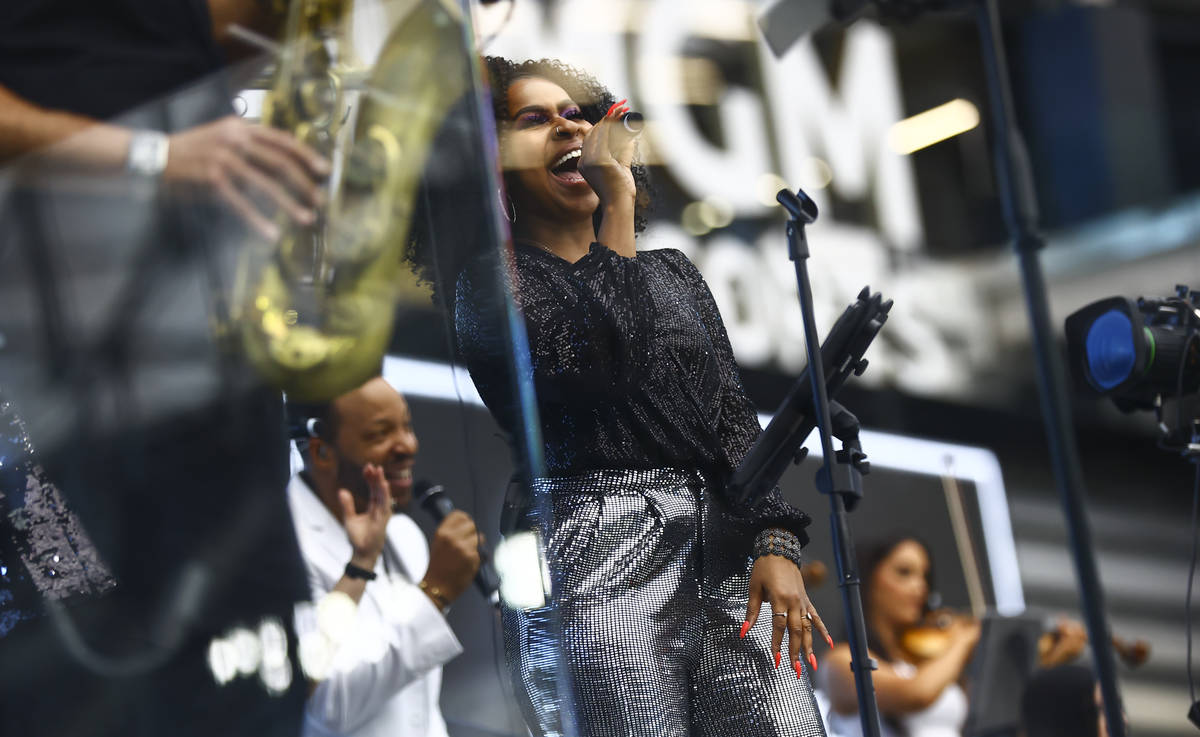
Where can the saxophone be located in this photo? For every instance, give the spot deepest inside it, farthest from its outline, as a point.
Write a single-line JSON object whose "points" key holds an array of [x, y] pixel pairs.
{"points": [[314, 311]]}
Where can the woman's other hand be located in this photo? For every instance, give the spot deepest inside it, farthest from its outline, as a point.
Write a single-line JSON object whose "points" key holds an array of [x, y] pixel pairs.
{"points": [[1063, 643], [777, 581], [964, 632]]}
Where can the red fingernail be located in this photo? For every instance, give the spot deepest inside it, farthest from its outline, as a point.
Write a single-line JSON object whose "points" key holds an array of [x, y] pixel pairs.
{"points": [[745, 628], [615, 105], [812, 660], [829, 640], [778, 659], [796, 667]]}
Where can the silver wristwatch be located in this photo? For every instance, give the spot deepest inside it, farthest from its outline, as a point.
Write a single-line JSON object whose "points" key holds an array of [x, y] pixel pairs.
{"points": [[148, 152]]}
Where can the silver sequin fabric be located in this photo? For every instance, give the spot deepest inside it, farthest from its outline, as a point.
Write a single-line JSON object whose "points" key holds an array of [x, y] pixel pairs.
{"points": [[641, 636], [43, 546]]}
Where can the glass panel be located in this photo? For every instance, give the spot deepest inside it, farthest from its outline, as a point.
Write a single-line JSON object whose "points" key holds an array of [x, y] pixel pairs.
{"points": [[151, 324]]}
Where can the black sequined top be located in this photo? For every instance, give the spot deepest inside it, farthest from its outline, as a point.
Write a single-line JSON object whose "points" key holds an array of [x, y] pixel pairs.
{"points": [[631, 364]]}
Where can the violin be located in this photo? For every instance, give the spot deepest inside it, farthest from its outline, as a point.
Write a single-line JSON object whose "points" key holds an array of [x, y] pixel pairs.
{"points": [[1061, 643], [1063, 639], [930, 638]]}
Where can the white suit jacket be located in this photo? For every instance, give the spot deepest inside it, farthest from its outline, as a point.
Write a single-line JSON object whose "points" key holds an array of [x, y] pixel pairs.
{"points": [[385, 676]]}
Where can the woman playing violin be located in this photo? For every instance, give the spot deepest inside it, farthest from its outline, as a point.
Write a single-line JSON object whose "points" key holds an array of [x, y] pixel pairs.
{"points": [[917, 687], [918, 700]]}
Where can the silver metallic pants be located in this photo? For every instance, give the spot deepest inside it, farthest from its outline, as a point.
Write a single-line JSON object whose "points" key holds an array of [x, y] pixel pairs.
{"points": [[641, 636]]}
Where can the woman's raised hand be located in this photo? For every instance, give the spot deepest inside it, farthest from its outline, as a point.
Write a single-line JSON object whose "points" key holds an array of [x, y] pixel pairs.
{"points": [[607, 155], [777, 580]]}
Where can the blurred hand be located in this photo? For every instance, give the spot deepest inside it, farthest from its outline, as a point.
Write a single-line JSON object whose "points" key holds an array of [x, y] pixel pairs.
{"points": [[1063, 643], [238, 161], [777, 580], [367, 531], [453, 555], [964, 631]]}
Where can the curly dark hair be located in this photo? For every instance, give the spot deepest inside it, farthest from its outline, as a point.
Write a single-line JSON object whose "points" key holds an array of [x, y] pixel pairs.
{"points": [[870, 557], [451, 223]]}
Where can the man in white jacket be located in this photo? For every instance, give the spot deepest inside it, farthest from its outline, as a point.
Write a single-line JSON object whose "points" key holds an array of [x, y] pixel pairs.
{"points": [[381, 593]]}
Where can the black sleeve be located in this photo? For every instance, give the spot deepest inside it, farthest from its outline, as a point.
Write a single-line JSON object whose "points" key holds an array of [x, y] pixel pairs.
{"points": [[479, 317], [738, 426]]}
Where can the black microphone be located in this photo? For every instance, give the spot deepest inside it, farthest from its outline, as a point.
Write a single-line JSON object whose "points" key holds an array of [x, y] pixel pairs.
{"points": [[633, 122], [433, 499]]}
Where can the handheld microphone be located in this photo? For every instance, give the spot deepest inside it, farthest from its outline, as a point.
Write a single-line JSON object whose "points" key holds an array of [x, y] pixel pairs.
{"points": [[433, 499]]}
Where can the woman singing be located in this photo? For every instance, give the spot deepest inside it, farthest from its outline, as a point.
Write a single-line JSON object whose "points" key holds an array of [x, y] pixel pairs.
{"points": [[658, 576]]}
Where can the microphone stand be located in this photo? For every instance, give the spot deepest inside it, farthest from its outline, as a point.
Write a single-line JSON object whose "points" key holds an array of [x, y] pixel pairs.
{"points": [[1014, 183], [840, 475], [1018, 200]]}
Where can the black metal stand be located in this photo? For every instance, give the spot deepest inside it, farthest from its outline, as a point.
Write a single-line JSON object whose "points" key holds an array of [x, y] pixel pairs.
{"points": [[1015, 184], [782, 442], [838, 476]]}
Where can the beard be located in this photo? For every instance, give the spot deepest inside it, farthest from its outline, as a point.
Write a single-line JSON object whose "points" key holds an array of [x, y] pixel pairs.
{"points": [[350, 477]]}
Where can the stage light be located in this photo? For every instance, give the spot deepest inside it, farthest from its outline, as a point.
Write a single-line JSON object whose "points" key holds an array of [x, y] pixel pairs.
{"points": [[815, 173], [524, 575], [933, 126], [275, 668], [222, 660], [767, 186], [693, 219], [715, 212]]}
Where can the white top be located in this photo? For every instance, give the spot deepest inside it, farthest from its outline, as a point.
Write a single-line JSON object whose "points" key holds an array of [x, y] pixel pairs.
{"points": [[384, 678], [945, 717]]}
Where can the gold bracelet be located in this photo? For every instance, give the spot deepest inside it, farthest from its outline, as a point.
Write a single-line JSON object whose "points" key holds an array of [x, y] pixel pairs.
{"points": [[434, 593]]}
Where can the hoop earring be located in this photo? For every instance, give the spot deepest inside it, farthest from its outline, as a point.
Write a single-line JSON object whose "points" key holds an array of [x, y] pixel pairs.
{"points": [[510, 211]]}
